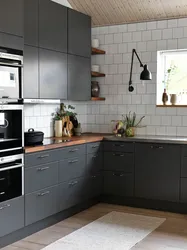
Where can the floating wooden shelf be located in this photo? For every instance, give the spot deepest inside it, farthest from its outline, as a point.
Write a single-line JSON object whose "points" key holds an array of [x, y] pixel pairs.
{"points": [[171, 106], [97, 74], [96, 51], [98, 99]]}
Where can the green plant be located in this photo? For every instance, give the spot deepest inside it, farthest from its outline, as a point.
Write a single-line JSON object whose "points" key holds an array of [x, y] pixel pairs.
{"points": [[130, 120], [168, 76], [64, 111]]}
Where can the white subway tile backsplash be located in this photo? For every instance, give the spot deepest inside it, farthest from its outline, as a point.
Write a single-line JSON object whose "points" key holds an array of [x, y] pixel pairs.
{"points": [[118, 38], [141, 46], [127, 37], [151, 46], [109, 39], [176, 120], [132, 27], [166, 120], [151, 25], [156, 34], [172, 23], [137, 36], [146, 35], [118, 79], [182, 22], [178, 32], [122, 28], [162, 24], [118, 59], [161, 45], [167, 34], [122, 48], [172, 44], [182, 43], [141, 26]]}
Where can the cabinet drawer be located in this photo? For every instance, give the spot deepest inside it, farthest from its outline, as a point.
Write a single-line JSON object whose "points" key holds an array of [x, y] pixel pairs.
{"points": [[119, 146], [94, 163], [72, 193], [184, 166], [183, 190], [95, 147], [71, 152], [43, 175], [119, 161], [118, 183], [40, 204], [72, 168], [11, 215], [42, 157]]}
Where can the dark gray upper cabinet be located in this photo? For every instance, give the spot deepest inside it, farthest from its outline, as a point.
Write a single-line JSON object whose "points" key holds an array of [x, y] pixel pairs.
{"points": [[11, 41], [30, 72], [79, 33], [53, 74], [79, 78], [11, 17], [31, 22], [157, 171], [52, 26]]}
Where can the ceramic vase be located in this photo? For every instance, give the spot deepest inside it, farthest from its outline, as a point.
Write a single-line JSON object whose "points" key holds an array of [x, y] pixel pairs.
{"points": [[58, 128], [130, 132], [95, 89], [173, 99]]}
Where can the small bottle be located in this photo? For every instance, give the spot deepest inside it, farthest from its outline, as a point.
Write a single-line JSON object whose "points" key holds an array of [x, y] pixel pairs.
{"points": [[164, 97]]}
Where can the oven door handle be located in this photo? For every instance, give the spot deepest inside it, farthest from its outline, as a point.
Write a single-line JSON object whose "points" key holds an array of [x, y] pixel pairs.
{"points": [[11, 167], [11, 65]]}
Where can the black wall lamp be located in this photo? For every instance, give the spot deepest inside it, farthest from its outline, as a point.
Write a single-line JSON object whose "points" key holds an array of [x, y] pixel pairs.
{"points": [[145, 75]]}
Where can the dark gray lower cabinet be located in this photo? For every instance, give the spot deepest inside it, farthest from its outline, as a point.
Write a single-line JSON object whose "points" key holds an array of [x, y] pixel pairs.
{"points": [[72, 168], [157, 171], [40, 204], [52, 74], [43, 175], [11, 215], [31, 84], [118, 183], [183, 190], [79, 78], [94, 163], [72, 192], [95, 185]]}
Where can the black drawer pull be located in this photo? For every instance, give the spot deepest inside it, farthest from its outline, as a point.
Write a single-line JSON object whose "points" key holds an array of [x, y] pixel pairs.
{"points": [[73, 150], [43, 194], [94, 176], [95, 156], [73, 183], [118, 145], [43, 156], [5, 206], [118, 175], [121, 155], [96, 146], [74, 161], [2, 193], [42, 169], [2, 179], [157, 147]]}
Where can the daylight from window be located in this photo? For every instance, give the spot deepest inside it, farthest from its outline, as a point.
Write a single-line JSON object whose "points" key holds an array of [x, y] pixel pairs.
{"points": [[172, 77]]}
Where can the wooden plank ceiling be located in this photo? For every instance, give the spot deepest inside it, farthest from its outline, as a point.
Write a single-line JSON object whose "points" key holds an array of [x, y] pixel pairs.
{"points": [[111, 12]]}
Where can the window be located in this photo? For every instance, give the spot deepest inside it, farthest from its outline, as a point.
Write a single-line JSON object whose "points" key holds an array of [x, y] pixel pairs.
{"points": [[172, 76]]}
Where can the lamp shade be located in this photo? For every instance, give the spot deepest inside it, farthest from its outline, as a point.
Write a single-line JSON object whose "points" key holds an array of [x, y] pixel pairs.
{"points": [[146, 74]]}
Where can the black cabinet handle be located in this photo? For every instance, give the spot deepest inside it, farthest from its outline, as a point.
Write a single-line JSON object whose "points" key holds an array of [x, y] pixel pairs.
{"points": [[42, 169], [2, 193], [120, 155], [5, 206], [74, 161], [118, 145], [73, 150], [118, 174], [73, 183], [93, 176], [157, 147], [2, 179], [44, 193], [43, 156], [95, 156], [96, 146]]}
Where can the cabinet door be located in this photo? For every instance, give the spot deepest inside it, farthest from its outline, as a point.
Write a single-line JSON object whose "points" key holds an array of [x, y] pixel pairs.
{"points": [[40, 205], [31, 22], [52, 26], [79, 78], [11, 17], [95, 185], [11, 215], [157, 171], [94, 163], [118, 183], [72, 193], [30, 72], [79, 33], [53, 74], [11, 41]]}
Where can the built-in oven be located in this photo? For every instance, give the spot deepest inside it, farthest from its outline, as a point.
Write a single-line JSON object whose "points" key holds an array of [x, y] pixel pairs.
{"points": [[11, 63], [11, 176]]}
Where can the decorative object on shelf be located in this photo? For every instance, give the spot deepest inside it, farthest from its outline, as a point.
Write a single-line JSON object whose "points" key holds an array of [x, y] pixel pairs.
{"points": [[168, 76], [145, 75], [95, 89], [78, 130], [95, 68], [96, 51], [173, 99], [58, 128], [118, 127], [95, 43], [164, 97], [97, 74], [98, 98], [131, 123]]}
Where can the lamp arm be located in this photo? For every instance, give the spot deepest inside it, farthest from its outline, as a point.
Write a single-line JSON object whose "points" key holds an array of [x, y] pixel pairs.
{"points": [[132, 60]]}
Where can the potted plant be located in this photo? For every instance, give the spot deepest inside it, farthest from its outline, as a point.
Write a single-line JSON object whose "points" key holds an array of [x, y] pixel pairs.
{"points": [[131, 123]]}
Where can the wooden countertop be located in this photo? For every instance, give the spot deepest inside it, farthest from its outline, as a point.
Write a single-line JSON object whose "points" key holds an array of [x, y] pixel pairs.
{"points": [[75, 140]]}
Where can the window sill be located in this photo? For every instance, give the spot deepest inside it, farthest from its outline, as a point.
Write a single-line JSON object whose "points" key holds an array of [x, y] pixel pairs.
{"points": [[171, 106]]}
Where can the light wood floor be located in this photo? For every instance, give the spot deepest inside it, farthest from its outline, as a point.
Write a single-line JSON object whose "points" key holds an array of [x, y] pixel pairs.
{"points": [[171, 235]]}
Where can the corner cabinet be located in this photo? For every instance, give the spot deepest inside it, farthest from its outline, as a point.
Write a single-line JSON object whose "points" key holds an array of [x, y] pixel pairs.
{"points": [[52, 74], [79, 34], [79, 78]]}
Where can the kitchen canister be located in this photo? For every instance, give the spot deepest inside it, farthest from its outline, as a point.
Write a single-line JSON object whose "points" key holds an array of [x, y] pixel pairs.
{"points": [[95, 43], [58, 128], [95, 68]]}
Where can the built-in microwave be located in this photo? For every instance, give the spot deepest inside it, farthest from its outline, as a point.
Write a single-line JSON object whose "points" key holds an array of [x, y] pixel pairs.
{"points": [[11, 64]]}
